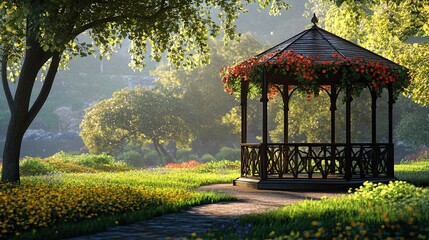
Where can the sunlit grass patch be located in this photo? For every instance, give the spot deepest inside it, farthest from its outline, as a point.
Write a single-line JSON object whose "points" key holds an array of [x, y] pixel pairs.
{"points": [[46, 201], [374, 211], [416, 173], [68, 163]]}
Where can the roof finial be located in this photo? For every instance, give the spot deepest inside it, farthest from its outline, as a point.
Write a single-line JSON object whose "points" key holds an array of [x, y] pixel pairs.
{"points": [[314, 20]]}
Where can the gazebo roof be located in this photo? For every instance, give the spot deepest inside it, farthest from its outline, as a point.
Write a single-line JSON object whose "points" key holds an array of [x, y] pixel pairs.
{"points": [[319, 42], [313, 58]]}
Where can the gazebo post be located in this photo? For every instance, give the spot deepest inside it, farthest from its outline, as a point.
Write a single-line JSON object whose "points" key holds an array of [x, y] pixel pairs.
{"points": [[375, 149], [243, 103], [285, 113], [348, 160], [264, 146], [333, 98], [282, 166], [373, 117], [391, 155]]}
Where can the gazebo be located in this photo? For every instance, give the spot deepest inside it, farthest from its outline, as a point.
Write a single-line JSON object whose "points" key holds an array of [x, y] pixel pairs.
{"points": [[314, 61]]}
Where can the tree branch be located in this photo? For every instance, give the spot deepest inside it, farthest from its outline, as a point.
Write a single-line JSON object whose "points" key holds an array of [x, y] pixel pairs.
{"points": [[46, 88], [163, 9], [6, 87]]}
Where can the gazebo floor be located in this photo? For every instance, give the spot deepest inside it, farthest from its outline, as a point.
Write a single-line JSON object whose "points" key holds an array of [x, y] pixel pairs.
{"points": [[316, 184]]}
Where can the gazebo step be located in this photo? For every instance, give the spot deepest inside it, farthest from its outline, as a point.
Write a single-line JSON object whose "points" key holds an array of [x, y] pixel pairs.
{"points": [[314, 185]]}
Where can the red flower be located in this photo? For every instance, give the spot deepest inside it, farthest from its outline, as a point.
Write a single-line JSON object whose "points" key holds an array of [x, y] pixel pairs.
{"points": [[303, 68]]}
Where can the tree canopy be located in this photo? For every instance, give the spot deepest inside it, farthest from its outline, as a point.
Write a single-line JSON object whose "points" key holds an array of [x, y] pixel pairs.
{"points": [[397, 30], [202, 93], [138, 115], [37, 35]]}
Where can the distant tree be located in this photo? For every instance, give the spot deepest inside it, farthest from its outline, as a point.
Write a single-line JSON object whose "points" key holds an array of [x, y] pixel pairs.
{"points": [[133, 116], [398, 30], [38, 35], [202, 93], [413, 125], [310, 118]]}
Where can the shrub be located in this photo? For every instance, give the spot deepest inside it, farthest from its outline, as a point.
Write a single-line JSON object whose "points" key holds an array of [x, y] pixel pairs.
{"points": [[422, 155], [62, 156], [220, 166], [30, 166], [227, 153], [131, 157], [188, 164], [93, 160], [207, 158], [87, 163], [151, 158], [185, 155]]}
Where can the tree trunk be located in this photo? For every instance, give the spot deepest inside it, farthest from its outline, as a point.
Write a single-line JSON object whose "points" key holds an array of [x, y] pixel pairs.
{"points": [[21, 113], [12, 148], [161, 151], [156, 145], [166, 154]]}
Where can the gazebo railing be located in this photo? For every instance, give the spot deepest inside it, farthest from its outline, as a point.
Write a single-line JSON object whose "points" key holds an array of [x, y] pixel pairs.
{"points": [[314, 160]]}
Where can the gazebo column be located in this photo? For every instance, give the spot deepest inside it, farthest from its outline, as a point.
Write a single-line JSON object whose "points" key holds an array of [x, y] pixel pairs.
{"points": [[348, 160], [333, 98], [244, 151], [285, 153], [286, 97], [263, 171], [391, 155], [375, 158], [243, 103]]}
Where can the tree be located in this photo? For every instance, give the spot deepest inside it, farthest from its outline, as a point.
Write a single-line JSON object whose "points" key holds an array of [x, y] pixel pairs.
{"points": [[38, 35], [201, 92], [310, 120], [139, 115], [397, 30], [413, 126]]}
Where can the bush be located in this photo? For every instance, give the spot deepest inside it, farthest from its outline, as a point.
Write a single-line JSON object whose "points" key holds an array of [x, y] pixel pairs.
{"points": [[207, 158], [90, 162], [184, 155], [93, 160], [132, 158], [188, 164], [151, 158], [227, 153], [422, 155], [34, 166], [220, 167]]}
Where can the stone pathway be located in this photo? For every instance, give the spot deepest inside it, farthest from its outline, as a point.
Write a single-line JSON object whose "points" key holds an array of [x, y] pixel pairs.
{"points": [[200, 219]]}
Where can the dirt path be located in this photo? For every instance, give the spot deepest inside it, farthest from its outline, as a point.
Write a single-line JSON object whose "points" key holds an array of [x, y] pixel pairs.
{"points": [[199, 219]]}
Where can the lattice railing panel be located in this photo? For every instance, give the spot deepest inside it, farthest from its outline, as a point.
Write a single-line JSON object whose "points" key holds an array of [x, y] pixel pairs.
{"points": [[310, 160]]}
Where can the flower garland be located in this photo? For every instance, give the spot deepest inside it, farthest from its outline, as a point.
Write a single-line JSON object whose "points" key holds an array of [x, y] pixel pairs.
{"points": [[353, 73]]}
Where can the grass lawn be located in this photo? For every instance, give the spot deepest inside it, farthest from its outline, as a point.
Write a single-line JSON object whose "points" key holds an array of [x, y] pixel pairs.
{"points": [[416, 173], [85, 198], [398, 210], [66, 204]]}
